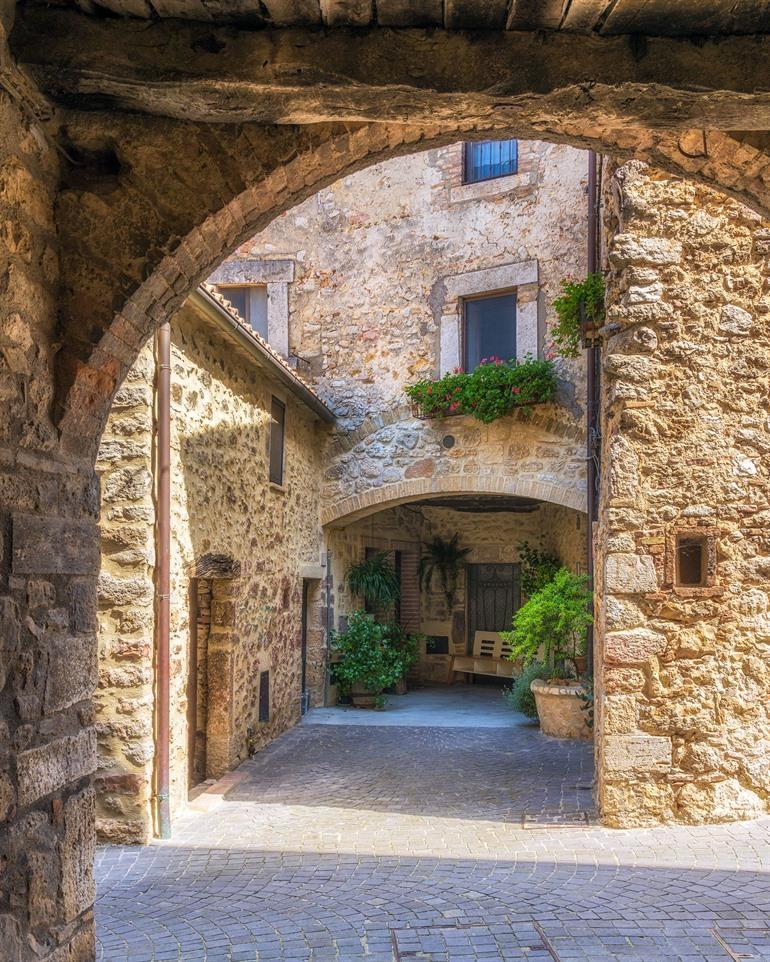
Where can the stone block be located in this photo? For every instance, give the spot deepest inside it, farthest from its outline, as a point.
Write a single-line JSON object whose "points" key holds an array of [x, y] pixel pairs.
{"points": [[628, 573], [48, 767], [619, 714], [734, 320], [76, 854], [47, 545], [649, 251], [72, 671], [630, 755], [725, 801], [633, 647]]}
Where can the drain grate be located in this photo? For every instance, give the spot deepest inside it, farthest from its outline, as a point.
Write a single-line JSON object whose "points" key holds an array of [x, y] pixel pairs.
{"points": [[555, 819], [458, 943], [744, 942]]}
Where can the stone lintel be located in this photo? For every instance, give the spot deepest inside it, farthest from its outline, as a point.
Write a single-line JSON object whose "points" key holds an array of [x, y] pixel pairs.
{"points": [[253, 270]]}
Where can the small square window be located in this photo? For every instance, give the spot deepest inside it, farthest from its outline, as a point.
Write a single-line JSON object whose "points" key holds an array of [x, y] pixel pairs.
{"points": [[277, 439], [691, 552], [488, 159], [250, 301], [489, 328]]}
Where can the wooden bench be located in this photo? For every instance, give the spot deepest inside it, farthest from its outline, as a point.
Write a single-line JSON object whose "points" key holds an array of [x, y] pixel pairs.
{"points": [[489, 657]]}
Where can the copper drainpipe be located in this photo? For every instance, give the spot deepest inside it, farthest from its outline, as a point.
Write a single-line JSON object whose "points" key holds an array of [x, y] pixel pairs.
{"points": [[592, 399], [163, 575]]}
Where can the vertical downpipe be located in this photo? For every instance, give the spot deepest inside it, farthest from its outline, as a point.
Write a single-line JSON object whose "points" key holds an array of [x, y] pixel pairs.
{"points": [[163, 577], [592, 405]]}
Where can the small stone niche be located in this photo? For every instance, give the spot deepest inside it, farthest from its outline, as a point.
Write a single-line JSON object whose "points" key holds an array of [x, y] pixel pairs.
{"points": [[691, 561]]}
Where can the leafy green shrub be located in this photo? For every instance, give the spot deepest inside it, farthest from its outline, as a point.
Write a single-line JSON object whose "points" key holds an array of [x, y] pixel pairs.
{"points": [[374, 580], [369, 656], [538, 567], [407, 645], [567, 333], [551, 625], [519, 696], [494, 389]]}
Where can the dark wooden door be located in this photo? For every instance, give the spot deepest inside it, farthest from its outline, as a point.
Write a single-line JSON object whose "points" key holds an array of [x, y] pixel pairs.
{"points": [[494, 593]]}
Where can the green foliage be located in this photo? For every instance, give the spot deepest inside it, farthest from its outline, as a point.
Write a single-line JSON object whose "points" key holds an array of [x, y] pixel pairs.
{"points": [[374, 581], [368, 655], [551, 625], [519, 696], [538, 567], [494, 389], [567, 334], [443, 558], [407, 645]]}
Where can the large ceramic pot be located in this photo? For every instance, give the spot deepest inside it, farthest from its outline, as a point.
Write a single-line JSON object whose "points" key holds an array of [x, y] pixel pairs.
{"points": [[560, 708]]}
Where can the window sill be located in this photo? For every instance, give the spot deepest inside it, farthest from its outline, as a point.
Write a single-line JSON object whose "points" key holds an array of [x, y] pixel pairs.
{"points": [[278, 488], [520, 183]]}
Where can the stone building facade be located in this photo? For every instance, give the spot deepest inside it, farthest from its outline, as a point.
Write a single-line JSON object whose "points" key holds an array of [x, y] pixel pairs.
{"points": [[683, 668], [241, 548]]}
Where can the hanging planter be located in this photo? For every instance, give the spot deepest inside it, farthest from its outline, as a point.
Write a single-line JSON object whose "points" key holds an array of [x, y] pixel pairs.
{"points": [[580, 313], [492, 390]]}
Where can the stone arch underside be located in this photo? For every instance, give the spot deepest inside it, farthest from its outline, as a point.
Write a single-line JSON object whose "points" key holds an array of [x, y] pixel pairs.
{"points": [[160, 189]]}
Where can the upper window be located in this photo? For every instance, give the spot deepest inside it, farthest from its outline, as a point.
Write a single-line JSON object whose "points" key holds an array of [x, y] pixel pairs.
{"points": [[490, 329], [277, 436], [487, 159], [250, 300]]}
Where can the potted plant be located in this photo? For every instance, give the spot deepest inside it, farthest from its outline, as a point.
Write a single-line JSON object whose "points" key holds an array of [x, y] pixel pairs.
{"points": [[369, 661], [550, 627], [442, 558], [374, 580], [580, 312]]}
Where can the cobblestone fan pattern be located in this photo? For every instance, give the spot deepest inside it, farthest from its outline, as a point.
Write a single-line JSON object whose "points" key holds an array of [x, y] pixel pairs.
{"points": [[351, 844]]}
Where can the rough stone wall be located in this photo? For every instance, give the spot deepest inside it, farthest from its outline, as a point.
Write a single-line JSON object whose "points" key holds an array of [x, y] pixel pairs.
{"points": [[685, 683], [125, 699], [493, 538], [541, 456], [375, 254], [222, 505], [48, 565]]}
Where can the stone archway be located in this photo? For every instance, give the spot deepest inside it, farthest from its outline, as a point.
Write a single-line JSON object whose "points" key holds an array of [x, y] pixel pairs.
{"points": [[112, 218]]}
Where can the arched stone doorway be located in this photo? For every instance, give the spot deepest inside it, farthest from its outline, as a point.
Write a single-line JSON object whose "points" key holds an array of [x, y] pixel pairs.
{"points": [[104, 244]]}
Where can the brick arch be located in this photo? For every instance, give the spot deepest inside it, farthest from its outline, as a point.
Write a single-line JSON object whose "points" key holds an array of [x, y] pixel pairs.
{"points": [[91, 368], [356, 507]]}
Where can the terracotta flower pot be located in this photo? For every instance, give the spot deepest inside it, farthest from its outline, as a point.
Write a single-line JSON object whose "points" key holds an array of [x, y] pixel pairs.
{"points": [[560, 708]]}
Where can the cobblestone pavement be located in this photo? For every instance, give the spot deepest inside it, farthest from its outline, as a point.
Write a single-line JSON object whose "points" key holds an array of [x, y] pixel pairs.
{"points": [[365, 844]]}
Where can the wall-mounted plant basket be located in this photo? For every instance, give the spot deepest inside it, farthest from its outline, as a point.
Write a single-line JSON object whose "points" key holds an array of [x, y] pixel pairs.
{"points": [[492, 390], [589, 328]]}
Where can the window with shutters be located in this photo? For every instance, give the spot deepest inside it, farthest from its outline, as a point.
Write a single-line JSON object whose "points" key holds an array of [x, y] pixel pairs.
{"points": [[488, 159], [277, 440]]}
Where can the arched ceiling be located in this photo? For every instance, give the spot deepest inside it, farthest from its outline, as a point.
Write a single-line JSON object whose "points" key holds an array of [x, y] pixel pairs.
{"points": [[606, 17]]}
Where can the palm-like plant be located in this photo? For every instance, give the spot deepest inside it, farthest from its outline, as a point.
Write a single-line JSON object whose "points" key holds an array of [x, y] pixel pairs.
{"points": [[374, 580], [443, 558]]}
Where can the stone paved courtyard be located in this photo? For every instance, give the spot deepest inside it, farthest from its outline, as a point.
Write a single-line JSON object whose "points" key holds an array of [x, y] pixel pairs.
{"points": [[433, 843]]}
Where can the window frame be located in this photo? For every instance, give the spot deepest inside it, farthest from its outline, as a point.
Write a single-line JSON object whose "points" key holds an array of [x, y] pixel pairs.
{"points": [[468, 167], [277, 402], [486, 295], [250, 311]]}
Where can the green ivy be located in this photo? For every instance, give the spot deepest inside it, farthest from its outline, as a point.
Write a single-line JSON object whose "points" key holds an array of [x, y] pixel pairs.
{"points": [[567, 334], [538, 567], [490, 392]]}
